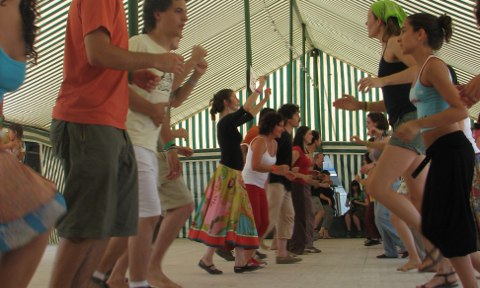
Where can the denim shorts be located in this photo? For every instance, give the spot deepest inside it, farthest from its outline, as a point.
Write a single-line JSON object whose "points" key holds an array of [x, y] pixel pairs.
{"points": [[101, 183], [416, 145]]}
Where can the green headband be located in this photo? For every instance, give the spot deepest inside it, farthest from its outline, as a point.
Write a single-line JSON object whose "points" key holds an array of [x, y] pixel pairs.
{"points": [[385, 9]]}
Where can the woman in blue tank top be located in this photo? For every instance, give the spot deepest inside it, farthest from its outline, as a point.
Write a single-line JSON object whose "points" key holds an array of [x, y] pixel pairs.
{"points": [[29, 206], [399, 158], [447, 219]]}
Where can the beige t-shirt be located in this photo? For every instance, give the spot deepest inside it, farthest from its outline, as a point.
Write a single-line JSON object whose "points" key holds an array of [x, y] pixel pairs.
{"points": [[140, 127]]}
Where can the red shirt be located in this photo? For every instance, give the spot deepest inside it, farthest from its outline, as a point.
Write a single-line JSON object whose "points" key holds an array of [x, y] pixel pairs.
{"points": [[88, 94], [304, 163]]}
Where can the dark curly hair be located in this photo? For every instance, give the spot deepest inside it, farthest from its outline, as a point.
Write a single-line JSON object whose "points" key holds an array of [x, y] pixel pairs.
{"points": [[437, 29], [29, 13], [268, 122], [18, 129], [149, 9], [288, 110], [217, 101], [380, 120], [315, 136]]}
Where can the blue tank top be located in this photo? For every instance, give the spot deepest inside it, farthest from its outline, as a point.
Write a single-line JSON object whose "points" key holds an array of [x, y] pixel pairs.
{"points": [[12, 73], [426, 99]]}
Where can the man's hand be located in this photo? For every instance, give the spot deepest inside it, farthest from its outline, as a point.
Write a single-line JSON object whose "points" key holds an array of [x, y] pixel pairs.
{"points": [[174, 165], [170, 62], [201, 67], [145, 79], [198, 54], [185, 151]]}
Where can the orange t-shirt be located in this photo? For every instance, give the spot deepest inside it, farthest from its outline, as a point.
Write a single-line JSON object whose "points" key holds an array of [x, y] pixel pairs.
{"points": [[88, 94], [253, 132]]}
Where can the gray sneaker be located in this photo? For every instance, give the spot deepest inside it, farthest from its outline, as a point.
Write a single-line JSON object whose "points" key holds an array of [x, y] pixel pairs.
{"points": [[287, 260]]}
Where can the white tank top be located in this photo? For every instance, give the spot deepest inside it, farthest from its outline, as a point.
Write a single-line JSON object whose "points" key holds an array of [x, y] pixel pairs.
{"points": [[256, 178]]}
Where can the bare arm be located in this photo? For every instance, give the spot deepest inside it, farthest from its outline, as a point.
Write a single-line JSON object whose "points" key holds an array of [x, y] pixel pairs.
{"points": [[182, 93], [436, 74], [141, 105], [101, 53], [254, 111], [348, 102], [252, 99], [198, 55]]}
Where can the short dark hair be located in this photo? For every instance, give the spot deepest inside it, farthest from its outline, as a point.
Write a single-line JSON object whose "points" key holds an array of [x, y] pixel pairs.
{"points": [[149, 9], [325, 172], [268, 122], [477, 12], [288, 110], [315, 136]]}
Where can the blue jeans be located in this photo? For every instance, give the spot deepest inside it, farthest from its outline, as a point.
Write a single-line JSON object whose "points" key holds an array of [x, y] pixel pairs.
{"points": [[386, 229]]}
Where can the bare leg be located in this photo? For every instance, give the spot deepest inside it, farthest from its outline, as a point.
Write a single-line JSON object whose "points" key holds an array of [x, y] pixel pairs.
{"points": [[18, 266], [140, 248], [239, 257], [475, 257], [70, 260], [357, 223], [117, 278], [208, 256], [394, 162], [318, 218], [116, 247], [348, 222], [169, 229], [407, 238], [463, 267], [282, 247]]}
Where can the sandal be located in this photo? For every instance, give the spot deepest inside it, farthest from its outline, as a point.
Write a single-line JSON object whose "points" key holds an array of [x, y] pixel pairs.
{"points": [[445, 283], [211, 269], [429, 256]]}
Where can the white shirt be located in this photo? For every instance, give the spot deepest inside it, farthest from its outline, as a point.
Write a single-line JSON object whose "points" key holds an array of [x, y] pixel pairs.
{"points": [[140, 127]]}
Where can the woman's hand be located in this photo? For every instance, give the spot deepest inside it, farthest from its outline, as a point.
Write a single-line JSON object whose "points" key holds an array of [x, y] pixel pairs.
{"points": [[470, 93], [347, 103], [367, 83], [357, 140], [261, 82], [408, 131]]}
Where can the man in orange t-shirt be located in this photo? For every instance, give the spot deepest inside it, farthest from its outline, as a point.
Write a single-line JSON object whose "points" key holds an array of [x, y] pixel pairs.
{"points": [[88, 134]]}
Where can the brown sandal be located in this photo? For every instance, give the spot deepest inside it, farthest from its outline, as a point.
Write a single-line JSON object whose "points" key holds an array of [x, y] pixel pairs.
{"points": [[445, 283]]}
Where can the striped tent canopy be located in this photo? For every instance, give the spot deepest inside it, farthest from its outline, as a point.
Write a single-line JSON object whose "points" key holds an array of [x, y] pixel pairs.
{"points": [[335, 27]]}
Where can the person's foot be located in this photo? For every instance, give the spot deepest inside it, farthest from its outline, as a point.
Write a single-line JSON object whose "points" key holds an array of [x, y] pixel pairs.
{"points": [[99, 282], [359, 234], [158, 279], [312, 250], [410, 265], [260, 255], [349, 234], [225, 254], [442, 280], [117, 282], [384, 256], [210, 269], [429, 263], [287, 260], [255, 262], [371, 242]]}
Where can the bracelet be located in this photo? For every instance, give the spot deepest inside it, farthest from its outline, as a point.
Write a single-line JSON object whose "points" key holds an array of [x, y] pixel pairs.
{"points": [[274, 168], [365, 106], [169, 144], [258, 91], [191, 82], [173, 147]]}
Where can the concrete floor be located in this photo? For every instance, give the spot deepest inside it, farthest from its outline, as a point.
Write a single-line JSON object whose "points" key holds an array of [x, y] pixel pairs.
{"points": [[342, 263]]}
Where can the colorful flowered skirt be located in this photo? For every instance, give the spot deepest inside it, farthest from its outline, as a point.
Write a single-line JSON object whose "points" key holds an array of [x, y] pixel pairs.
{"points": [[29, 203], [224, 217]]}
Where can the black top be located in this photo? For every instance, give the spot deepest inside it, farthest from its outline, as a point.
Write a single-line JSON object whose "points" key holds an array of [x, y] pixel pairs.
{"points": [[329, 193], [229, 138], [284, 156], [396, 97]]}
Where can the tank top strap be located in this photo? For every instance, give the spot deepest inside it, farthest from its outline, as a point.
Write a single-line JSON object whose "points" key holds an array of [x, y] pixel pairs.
{"points": [[423, 66]]}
